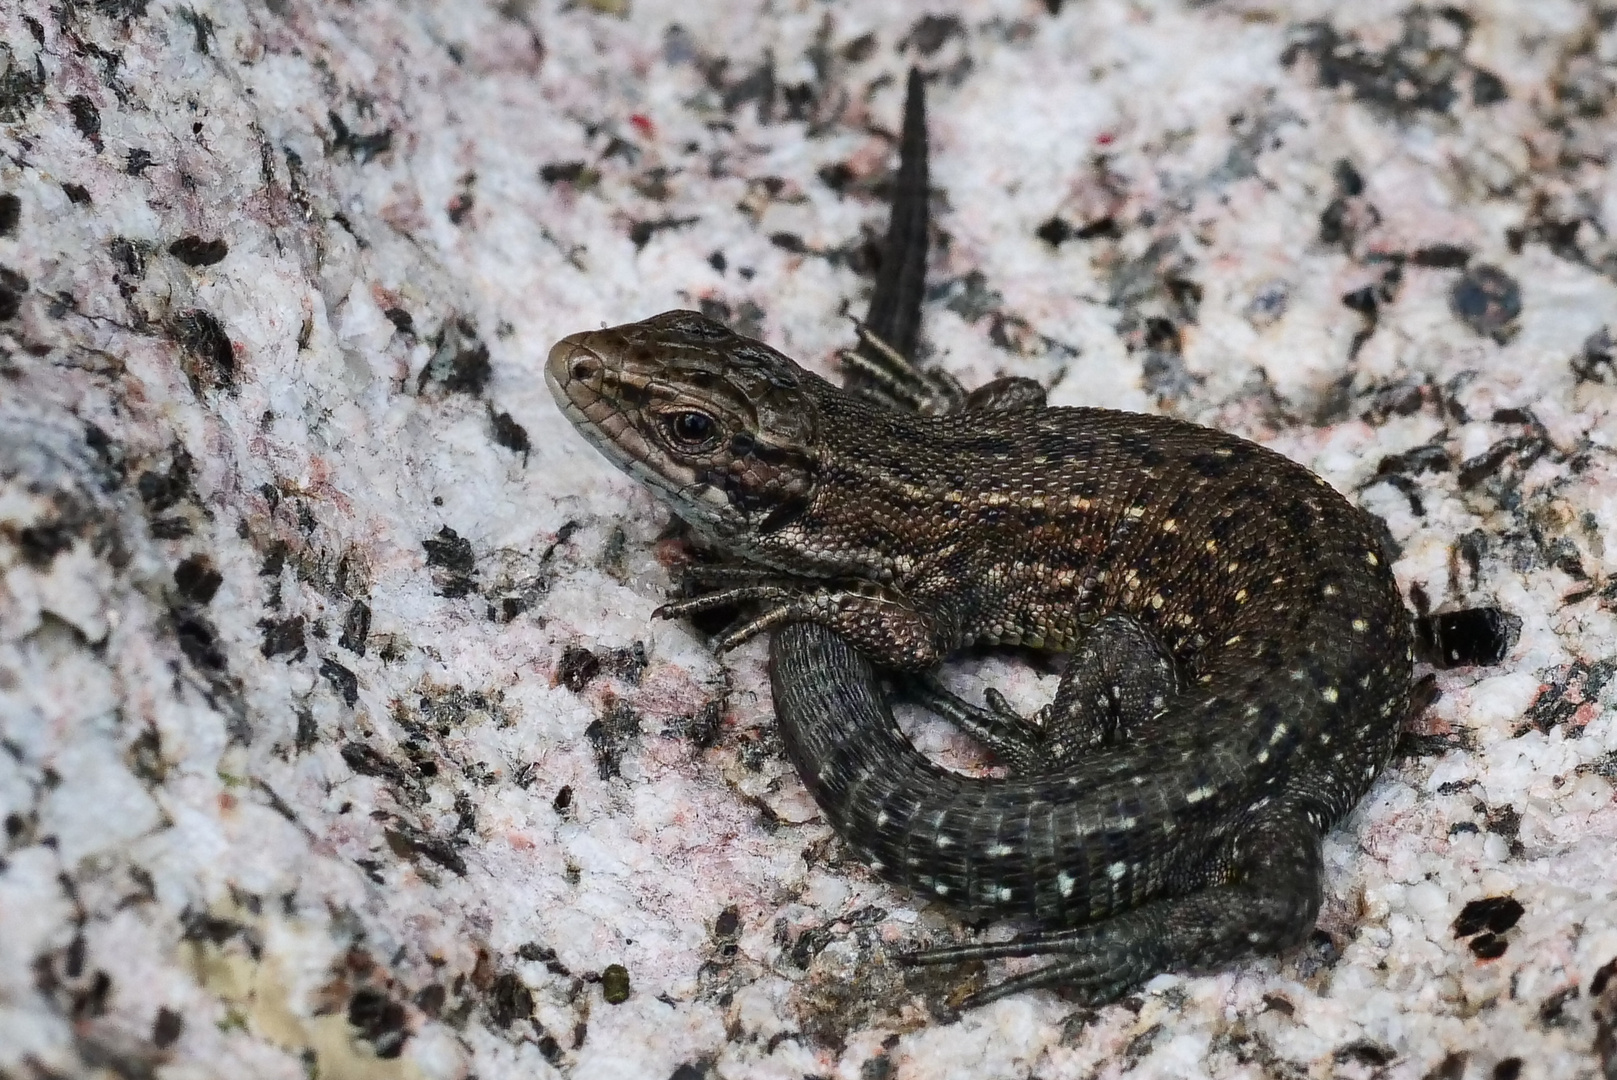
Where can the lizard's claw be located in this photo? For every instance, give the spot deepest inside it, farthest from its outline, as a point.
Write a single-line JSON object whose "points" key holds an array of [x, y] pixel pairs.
{"points": [[899, 383], [1014, 740], [1095, 964], [750, 629], [781, 603], [883, 625], [775, 595], [694, 575], [1005, 711]]}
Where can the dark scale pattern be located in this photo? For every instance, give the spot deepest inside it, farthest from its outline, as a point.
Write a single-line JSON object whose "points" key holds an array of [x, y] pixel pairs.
{"points": [[1242, 658]]}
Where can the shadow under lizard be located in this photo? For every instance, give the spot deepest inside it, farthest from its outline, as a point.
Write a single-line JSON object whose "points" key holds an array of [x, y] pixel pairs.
{"points": [[1242, 658]]}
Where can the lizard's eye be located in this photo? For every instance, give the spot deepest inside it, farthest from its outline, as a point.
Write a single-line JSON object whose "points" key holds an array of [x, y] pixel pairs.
{"points": [[690, 429]]}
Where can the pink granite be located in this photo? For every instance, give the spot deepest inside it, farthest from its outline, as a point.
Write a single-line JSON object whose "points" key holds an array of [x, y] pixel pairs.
{"points": [[335, 734]]}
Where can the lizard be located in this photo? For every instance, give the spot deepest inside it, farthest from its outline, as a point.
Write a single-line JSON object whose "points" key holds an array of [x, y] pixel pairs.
{"points": [[1242, 658]]}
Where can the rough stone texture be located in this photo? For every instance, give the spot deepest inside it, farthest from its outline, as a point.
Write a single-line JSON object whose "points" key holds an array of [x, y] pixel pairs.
{"points": [[335, 737]]}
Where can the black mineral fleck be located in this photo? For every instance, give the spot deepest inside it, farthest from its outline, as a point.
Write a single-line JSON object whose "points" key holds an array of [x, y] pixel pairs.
{"points": [[402, 320], [1495, 914], [86, 117], [1486, 299], [161, 489], [1597, 359], [124, 11], [356, 628], [1452, 1067], [367, 761], [1487, 88], [408, 843], [342, 680], [451, 555], [283, 636], [1366, 1052], [361, 147], [196, 579], [430, 999], [166, 1029], [207, 356], [380, 1021], [930, 32], [195, 251], [198, 640], [578, 666], [22, 86], [1440, 257], [509, 1000], [1416, 73], [1552, 1011], [562, 172], [1471, 636], [1054, 232], [1432, 457], [129, 256], [641, 232], [40, 544], [12, 287], [695, 1070], [450, 550], [1567, 690], [510, 434], [611, 735], [459, 362]]}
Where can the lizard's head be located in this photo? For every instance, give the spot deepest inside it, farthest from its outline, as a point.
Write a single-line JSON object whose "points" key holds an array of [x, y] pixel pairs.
{"points": [[721, 426]]}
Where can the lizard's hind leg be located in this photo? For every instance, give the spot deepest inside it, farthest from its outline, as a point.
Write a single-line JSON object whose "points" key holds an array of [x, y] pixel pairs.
{"points": [[1118, 679], [1259, 893]]}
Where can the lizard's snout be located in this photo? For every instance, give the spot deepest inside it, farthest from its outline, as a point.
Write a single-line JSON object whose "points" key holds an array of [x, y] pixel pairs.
{"points": [[573, 369]]}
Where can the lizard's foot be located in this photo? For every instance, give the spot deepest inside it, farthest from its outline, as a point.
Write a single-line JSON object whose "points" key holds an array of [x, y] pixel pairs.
{"points": [[1261, 893], [1013, 739], [899, 383], [1097, 964]]}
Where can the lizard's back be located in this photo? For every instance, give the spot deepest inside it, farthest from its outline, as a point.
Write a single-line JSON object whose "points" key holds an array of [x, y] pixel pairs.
{"points": [[1024, 527]]}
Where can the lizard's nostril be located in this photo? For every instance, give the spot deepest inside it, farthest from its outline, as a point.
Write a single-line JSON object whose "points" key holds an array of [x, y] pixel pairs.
{"points": [[584, 368]]}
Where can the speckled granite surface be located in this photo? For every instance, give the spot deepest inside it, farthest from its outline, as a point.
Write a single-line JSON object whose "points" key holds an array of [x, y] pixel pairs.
{"points": [[335, 737]]}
